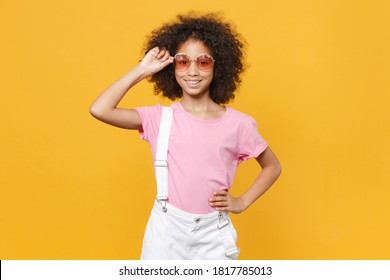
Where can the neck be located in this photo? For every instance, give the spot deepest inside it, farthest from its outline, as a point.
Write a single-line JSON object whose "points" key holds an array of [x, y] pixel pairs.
{"points": [[200, 104]]}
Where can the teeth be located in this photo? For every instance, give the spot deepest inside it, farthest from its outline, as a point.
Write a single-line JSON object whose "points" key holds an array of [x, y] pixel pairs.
{"points": [[193, 82]]}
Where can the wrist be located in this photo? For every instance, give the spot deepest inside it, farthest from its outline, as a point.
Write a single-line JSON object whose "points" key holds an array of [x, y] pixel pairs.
{"points": [[243, 204], [140, 72]]}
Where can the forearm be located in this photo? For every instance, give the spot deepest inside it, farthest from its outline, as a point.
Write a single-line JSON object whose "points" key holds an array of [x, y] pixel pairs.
{"points": [[271, 169], [110, 98], [263, 182]]}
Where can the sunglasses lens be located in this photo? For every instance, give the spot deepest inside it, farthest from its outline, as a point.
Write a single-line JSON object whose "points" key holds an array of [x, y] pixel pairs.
{"points": [[204, 62], [181, 62]]}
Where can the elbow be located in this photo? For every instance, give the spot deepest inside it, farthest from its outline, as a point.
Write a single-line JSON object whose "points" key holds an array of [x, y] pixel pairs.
{"points": [[95, 112], [278, 170]]}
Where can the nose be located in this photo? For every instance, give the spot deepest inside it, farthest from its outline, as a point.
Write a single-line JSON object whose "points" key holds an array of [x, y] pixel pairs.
{"points": [[193, 69]]}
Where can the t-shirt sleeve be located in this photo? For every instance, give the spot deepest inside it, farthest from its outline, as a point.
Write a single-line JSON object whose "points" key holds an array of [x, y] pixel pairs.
{"points": [[150, 119], [252, 143]]}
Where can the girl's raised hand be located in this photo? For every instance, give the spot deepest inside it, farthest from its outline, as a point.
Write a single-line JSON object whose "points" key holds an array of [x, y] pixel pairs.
{"points": [[155, 60]]}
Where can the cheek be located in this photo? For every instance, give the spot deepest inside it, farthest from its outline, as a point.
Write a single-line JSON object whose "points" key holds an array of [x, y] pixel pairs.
{"points": [[211, 75], [177, 77]]}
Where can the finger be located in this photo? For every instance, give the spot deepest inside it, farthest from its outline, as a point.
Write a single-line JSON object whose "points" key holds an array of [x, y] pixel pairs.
{"points": [[221, 193], [218, 198], [165, 63], [161, 53], [166, 55], [154, 51], [220, 203]]}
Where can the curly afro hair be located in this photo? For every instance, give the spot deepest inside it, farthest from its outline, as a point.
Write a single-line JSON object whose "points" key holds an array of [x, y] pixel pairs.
{"points": [[225, 44]]}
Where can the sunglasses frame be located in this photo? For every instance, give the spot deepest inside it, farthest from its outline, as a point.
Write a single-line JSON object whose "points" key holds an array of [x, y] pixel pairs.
{"points": [[193, 60]]}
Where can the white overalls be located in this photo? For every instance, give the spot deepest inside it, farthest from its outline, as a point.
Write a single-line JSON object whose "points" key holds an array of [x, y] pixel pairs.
{"points": [[173, 234]]}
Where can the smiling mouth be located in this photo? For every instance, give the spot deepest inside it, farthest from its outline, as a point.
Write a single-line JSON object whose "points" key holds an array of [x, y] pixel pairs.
{"points": [[192, 83]]}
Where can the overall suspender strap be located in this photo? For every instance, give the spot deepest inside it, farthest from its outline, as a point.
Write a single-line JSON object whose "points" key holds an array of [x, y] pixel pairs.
{"points": [[161, 163], [228, 242]]}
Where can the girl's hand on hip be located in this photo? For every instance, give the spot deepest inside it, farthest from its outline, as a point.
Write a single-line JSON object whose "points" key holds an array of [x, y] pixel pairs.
{"points": [[223, 201], [155, 60]]}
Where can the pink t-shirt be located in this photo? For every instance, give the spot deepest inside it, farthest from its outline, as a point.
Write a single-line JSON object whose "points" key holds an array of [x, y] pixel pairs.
{"points": [[203, 155]]}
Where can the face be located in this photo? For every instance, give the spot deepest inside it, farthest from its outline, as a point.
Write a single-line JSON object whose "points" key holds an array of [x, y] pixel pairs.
{"points": [[194, 80]]}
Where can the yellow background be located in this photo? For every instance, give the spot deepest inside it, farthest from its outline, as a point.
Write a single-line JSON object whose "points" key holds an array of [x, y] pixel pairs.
{"points": [[318, 85]]}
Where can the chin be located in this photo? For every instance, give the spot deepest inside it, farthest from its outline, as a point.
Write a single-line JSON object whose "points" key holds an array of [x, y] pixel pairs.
{"points": [[195, 93]]}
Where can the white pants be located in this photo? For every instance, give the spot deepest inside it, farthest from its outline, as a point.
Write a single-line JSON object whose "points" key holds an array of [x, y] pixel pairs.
{"points": [[178, 235]]}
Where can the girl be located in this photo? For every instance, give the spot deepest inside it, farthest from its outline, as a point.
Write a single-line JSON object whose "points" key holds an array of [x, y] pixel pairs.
{"points": [[198, 59]]}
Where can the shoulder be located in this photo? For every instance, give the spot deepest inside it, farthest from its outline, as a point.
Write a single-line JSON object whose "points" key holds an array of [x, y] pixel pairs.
{"points": [[154, 112], [175, 106], [149, 110], [149, 114], [241, 118], [156, 107]]}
